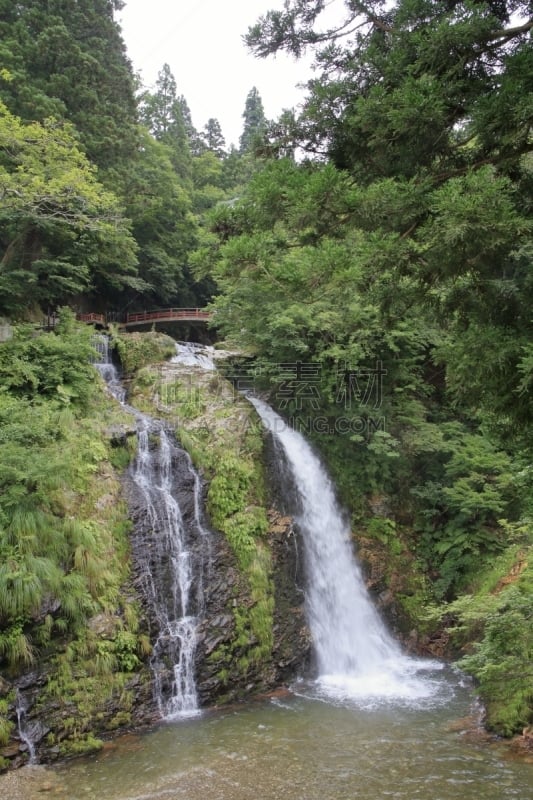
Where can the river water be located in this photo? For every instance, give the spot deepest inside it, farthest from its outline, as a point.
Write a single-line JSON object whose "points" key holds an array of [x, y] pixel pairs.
{"points": [[301, 748]]}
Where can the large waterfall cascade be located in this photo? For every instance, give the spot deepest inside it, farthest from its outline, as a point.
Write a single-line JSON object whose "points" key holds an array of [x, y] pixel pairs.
{"points": [[355, 654], [174, 554]]}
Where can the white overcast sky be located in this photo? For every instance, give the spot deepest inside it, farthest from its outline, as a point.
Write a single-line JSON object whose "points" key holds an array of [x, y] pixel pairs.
{"points": [[201, 40]]}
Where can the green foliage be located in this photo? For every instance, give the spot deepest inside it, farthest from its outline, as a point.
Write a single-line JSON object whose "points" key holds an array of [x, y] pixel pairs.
{"points": [[15, 647], [163, 225], [61, 558], [6, 726], [163, 114], [81, 745], [53, 366], [87, 680], [121, 455], [66, 78], [188, 170], [242, 530], [61, 232], [68, 61], [254, 121], [137, 350], [126, 647], [461, 507], [502, 661], [228, 489], [214, 138], [384, 529], [64, 536], [182, 396], [412, 72]]}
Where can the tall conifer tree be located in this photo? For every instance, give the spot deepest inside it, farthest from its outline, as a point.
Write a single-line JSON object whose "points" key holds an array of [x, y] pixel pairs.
{"points": [[255, 122], [68, 60]]}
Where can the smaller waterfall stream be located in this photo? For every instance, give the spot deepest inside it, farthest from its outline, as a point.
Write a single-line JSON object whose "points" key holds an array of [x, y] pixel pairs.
{"points": [[171, 570], [24, 730], [172, 550], [356, 656], [104, 364]]}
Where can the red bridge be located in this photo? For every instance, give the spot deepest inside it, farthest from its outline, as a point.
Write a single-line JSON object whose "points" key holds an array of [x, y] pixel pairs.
{"points": [[168, 315], [92, 319], [148, 317]]}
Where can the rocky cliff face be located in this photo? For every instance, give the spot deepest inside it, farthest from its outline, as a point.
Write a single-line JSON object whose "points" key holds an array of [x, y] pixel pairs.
{"points": [[253, 636], [221, 649], [228, 591]]}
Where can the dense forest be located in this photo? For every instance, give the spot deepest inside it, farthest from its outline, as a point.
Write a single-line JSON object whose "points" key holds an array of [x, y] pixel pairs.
{"points": [[104, 184], [371, 256]]}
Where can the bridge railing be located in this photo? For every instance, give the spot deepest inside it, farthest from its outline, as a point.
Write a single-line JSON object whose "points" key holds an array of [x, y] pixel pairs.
{"points": [[95, 319], [169, 314], [135, 317]]}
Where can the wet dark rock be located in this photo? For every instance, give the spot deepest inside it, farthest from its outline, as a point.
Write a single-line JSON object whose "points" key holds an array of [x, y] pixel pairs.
{"points": [[10, 751], [49, 606], [35, 678], [291, 637], [380, 506], [118, 434], [104, 625], [36, 730]]}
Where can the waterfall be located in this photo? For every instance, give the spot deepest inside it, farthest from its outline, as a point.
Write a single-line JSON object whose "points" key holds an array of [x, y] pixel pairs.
{"points": [[103, 363], [170, 570], [24, 730], [172, 550], [355, 654]]}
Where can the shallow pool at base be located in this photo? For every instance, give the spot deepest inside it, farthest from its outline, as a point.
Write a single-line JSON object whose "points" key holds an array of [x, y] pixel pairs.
{"points": [[301, 747]]}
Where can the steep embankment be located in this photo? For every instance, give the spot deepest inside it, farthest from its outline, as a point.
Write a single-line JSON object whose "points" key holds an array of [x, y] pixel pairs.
{"points": [[72, 645]]}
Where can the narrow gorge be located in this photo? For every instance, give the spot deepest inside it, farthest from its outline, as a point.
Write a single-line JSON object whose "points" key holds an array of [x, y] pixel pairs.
{"points": [[241, 587]]}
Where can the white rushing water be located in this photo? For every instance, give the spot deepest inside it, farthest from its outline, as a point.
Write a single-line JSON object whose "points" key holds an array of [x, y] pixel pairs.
{"points": [[171, 574], [24, 730], [168, 573], [191, 354], [104, 364], [356, 656]]}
